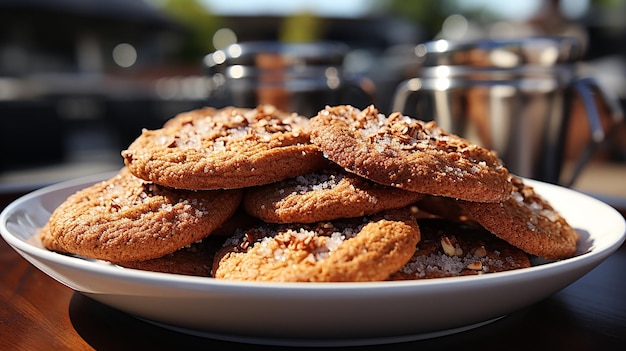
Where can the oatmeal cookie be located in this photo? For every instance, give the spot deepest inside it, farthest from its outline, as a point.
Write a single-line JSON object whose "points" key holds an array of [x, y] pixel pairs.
{"points": [[527, 221], [410, 154], [357, 249], [451, 249], [47, 240], [208, 149], [327, 194], [126, 219]]}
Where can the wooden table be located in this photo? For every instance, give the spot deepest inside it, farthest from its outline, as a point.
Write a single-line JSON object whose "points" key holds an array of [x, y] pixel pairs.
{"points": [[38, 313]]}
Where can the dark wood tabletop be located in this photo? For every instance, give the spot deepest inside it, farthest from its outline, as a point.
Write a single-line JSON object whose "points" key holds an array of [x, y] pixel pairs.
{"points": [[38, 313]]}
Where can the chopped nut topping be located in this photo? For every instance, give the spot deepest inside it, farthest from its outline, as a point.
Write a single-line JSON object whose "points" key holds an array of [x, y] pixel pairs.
{"points": [[475, 266], [480, 251], [448, 244]]}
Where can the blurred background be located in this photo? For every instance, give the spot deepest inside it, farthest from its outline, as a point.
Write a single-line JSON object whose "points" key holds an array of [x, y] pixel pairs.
{"points": [[79, 79]]}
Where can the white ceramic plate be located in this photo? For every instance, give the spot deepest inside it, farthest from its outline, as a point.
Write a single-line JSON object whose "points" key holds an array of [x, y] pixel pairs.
{"points": [[316, 313]]}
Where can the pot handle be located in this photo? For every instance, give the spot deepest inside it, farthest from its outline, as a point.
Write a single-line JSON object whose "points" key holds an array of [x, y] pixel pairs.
{"points": [[403, 91], [600, 136], [364, 87]]}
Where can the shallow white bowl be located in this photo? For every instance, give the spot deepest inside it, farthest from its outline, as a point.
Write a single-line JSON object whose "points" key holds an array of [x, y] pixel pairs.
{"points": [[316, 313]]}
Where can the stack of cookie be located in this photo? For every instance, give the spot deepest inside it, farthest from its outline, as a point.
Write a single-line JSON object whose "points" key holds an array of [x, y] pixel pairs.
{"points": [[347, 195]]}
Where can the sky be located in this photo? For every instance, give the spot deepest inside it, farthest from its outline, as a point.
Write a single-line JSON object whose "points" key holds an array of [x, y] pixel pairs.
{"points": [[519, 9], [348, 8]]}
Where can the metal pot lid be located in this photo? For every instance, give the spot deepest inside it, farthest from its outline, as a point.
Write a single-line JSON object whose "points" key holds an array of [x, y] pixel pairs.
{"points": [[252, 53], [500, 53]]}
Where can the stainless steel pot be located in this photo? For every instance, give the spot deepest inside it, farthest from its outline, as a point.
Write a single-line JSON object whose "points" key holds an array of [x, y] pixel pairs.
{"points": [[513, 96], [301, 77]]}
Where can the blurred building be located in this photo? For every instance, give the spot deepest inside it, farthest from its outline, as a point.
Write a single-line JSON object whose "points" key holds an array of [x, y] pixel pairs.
{"points": [[66, 74], [78, 76]]}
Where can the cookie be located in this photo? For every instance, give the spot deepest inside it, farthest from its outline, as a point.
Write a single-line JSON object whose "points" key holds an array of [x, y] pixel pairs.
{"points": [[126, 219], [47, 240], [195, 259], [208, 149], [410, 154], [452, 249], [527, 221], [327, 194], [358, 249]]}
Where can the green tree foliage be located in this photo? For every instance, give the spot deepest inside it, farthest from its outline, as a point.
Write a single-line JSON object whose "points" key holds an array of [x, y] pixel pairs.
{"points": [[427, 14], [301, 27], [200, 23]]}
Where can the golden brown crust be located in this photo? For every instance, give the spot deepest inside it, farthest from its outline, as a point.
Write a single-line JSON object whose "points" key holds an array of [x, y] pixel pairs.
{"points": [[47, 240], [208, 149], [360, 249], [324, 195], [451, 249], [125, 218], [527, 221], [409, 154]]}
